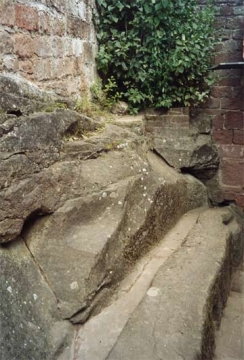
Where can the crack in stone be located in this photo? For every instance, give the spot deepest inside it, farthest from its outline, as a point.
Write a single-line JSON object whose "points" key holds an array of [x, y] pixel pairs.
{"points": [[161, 157], [42, 273], [182, 357], [14, 154], [183, 244]]}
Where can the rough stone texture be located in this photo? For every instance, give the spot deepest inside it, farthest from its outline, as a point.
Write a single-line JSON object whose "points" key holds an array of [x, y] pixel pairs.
{"points": [[80, 202], [185, 145], [129, 204], [50, 43], [30, 182], [99, 334], [18, 96], [170, 323], [31, 326]]}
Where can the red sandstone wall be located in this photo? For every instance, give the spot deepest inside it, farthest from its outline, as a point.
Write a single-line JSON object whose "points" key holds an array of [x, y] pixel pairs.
{"points": [[226, 103], [49, 42]]}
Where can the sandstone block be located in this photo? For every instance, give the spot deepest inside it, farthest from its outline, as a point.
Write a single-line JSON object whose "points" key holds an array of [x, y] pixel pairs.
{"points": [[240, 200], [88, 52], [77, 47], [218, 122], [229, 81], [238, 92], [233, 172], [223, 136], [221, 91], [26, 17], [68, 46], [23, 45], [231, 151], [77, 27], [6, 43], [234, 120], [42, 69], [235, 22], [232, 104], [26, 67], [226, 10], [7, 13], [214, 111], [79, 62], [58, 26], [10, 63], [44, 25], [238, 137], [58, 45], [43, 46], [57, 68]]}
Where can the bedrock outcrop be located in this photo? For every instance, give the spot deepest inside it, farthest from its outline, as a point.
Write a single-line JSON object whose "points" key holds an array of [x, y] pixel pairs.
{"points": [[82, 201]]}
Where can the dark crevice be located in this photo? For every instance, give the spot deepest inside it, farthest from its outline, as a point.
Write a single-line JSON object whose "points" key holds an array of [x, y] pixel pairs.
{"points": [[14, 154], [226, 203], [42, 273], [17, 113], [200, 174], [159, 155], [92, 304], [30, 220]]}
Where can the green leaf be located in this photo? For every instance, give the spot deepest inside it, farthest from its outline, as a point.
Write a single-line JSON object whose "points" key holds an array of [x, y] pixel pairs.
{"points": [[157, 51]]}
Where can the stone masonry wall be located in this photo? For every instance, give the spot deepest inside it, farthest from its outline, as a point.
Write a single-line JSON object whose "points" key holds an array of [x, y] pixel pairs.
{"points": [[49, 42], [226, 104]]}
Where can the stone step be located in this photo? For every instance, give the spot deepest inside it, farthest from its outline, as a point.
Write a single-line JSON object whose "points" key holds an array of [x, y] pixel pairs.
{"points": [[108, 138], [167, 307], [92, 241], [129, 121]]}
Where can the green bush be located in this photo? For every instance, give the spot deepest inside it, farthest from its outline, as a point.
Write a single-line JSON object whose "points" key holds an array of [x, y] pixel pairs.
{"points": [[156, 51]]}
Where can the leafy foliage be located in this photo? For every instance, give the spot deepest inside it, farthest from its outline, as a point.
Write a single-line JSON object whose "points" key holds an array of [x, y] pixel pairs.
{"points": [[157, 52]]}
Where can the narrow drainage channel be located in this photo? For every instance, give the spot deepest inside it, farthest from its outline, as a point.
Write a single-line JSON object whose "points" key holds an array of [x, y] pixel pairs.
{"points": [[230, 336]]}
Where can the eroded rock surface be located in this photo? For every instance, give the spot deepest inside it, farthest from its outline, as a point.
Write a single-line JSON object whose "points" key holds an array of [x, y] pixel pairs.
{"points": [[32, 178], [20, 97], [176, 318], [81, 201], [30, 322], [186, 146], [127, 204], [191, 153]]}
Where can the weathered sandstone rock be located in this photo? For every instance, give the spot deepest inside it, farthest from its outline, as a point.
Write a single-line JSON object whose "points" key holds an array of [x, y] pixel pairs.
{"points": [[31, 326]]}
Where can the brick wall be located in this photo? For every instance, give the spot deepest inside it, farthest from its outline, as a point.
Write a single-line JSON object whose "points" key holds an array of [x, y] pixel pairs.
{"points": [[226, 104], [172, 119], [49, 42]]}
